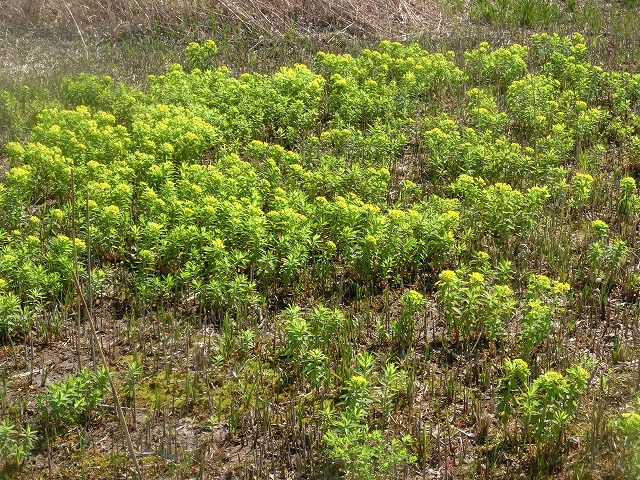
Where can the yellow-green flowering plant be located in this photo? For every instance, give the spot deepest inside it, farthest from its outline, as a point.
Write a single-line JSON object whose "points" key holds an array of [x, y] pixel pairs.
{"points": [[629, 201], [545, 301], [473, 306], [201, 55], [359, 451], [627, 427], [543, 407], [403, 328], [499, 67]]}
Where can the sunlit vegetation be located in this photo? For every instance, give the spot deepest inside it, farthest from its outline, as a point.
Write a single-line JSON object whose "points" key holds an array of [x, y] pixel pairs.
{"points": [[379, 265]]}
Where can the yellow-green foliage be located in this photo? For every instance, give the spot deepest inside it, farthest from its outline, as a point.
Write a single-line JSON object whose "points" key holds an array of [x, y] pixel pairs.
{"points": [[351, 214]]}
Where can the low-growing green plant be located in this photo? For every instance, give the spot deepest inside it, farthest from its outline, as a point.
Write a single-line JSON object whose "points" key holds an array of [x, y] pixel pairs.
{"points": [[473, 305], [499, 210], [201, 55], [606, 257], [627, 427], [360, 452], [16, 442], [315, 368], [542, 408], [15, 318], [629, 201], [545, 299], [393, 381], [580, 190], [131, 379], [499, 67], [402, 329], [71, 401], [532, 102], [364, 454], [484, 115], [544, 45]]}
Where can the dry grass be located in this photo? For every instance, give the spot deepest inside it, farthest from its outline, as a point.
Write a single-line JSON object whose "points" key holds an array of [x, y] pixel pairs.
{"points": [[391, 18]]}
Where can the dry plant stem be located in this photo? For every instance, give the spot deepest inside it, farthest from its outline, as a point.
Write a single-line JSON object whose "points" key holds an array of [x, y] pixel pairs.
{"points": [[103, 361], [75, 263], [382, 18], [73, 18]]}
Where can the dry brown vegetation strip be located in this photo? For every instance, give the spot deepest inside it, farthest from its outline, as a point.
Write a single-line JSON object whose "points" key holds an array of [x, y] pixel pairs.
{"points": [[380, 17]]}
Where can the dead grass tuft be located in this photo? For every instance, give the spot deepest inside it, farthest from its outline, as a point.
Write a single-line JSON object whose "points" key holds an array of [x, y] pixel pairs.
{"points": [[381, 18]]}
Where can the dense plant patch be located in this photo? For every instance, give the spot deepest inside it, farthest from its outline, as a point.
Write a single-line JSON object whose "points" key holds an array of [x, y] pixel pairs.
{"points": [[391, 249]]}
